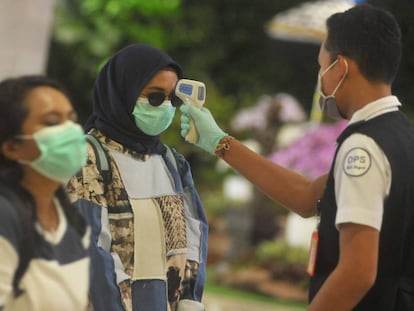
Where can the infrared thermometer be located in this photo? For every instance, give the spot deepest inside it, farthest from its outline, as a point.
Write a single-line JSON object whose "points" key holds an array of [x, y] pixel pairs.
{"points": [[193, 93]]}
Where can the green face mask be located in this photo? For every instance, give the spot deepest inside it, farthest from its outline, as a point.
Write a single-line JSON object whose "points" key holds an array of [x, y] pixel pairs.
{"points": [[62, 151], [153, 120]]}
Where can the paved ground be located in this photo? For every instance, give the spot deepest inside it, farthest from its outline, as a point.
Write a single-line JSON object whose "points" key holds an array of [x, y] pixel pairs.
{"points": [[215, 302]]}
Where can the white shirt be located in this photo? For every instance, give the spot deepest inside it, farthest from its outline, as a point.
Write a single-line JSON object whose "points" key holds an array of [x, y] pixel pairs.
{"points": [[57, 278], [362, 172]]}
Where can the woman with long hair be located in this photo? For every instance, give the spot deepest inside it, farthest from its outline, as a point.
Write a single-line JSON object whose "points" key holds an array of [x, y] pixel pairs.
{"points": [[43, 240]]}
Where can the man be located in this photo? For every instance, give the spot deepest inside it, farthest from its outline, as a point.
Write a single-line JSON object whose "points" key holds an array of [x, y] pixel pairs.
{"points": [[362, 252]]}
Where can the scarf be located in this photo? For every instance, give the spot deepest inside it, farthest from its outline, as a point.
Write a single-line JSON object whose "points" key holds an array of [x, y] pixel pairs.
{"points": [[115, 92]]}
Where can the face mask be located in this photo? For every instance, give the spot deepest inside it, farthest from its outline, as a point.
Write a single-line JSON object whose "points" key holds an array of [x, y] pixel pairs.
{"points": [[62, 151], [328, 102], [153, 120]]}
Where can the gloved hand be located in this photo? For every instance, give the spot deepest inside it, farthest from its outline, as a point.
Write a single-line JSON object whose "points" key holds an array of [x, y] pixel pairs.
{"points": [[209, 133]]}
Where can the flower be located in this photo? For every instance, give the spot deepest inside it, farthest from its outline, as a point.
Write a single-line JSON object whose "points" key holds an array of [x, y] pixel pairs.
{"points": [[279, 108], [312, 153]]}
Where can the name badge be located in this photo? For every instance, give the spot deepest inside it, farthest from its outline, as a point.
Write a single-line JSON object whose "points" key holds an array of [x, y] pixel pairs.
{"points": [[313, 252]]}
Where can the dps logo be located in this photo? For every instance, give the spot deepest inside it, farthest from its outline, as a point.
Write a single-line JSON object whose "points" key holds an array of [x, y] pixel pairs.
{"points": [[357, 162]]}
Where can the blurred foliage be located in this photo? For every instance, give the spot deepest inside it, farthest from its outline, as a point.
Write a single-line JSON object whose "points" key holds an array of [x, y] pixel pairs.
{"points": [[285, 262], [221, 42], [87, 32], [281, 251]]}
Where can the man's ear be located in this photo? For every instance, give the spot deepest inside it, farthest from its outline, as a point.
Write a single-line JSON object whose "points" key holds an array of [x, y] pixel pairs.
{"points": [[342, 61], [10, 149]]}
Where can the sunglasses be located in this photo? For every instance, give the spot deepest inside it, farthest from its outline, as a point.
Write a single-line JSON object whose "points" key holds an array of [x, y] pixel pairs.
{"points": [[157, 98]]}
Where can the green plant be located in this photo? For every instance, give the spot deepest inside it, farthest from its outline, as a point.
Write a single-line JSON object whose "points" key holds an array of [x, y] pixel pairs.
{"points": [[281, 251], [285, 262]]}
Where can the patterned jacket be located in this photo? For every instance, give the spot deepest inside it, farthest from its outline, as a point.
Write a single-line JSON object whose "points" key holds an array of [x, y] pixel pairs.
{"points": [[110, 212]]}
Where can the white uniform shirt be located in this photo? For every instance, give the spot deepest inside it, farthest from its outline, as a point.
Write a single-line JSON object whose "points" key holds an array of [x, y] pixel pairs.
{"points": [[362, 172]]}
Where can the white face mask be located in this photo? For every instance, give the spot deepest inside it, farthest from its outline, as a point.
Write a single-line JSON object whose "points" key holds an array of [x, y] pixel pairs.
{"points": [[62, 151], [328, 102], [153, 120]]}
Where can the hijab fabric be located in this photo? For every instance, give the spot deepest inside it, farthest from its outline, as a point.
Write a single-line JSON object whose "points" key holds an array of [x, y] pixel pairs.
{"points": [[115, 92]]}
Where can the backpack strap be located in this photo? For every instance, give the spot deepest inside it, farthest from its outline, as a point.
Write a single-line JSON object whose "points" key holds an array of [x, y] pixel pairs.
{"points": [[102, 160], [172, 156], [26, 248]]}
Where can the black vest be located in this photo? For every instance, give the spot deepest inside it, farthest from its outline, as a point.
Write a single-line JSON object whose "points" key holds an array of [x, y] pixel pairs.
{"points": [[394, 287]]}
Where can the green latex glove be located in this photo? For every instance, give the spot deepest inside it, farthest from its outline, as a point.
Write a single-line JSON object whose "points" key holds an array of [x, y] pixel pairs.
{"points": [[209, 133]]}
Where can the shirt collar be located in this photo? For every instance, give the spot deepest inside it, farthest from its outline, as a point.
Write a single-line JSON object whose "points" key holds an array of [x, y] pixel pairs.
{"points": [[376, 108]]}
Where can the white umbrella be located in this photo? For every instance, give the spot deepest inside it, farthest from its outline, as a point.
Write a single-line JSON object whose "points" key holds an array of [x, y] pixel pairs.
{"points": [[306, 22]]}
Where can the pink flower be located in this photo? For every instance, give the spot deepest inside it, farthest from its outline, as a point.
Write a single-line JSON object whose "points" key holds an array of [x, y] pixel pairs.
{"points": [[281, 108], [312, 153]]}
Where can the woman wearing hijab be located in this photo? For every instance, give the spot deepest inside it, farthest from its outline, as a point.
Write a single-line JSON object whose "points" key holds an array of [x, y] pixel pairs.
{"points": [[149, 230]]}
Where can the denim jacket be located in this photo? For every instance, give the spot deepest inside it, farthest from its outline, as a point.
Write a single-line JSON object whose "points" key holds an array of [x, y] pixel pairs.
{"points": [[107, 208]]}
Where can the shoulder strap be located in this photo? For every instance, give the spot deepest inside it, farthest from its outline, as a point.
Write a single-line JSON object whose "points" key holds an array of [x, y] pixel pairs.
{"points": [[102, 161], [172, 156], [26, 247]]}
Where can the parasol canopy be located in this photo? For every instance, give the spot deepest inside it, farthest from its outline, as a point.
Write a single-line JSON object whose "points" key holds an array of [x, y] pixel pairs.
{"points": [[306, 22]]}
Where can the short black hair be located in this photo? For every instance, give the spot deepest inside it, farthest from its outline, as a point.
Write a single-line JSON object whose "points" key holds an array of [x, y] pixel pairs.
{"points": [[370, 36]]}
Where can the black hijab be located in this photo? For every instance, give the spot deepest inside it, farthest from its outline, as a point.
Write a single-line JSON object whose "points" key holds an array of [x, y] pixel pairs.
{"points": [[115, 93]]}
